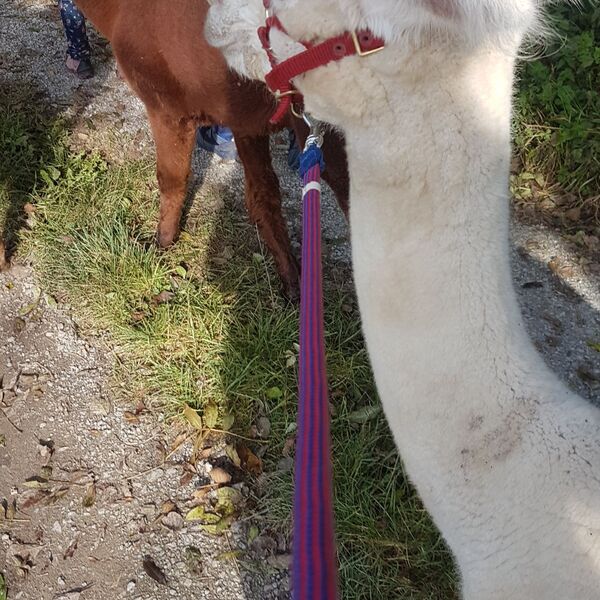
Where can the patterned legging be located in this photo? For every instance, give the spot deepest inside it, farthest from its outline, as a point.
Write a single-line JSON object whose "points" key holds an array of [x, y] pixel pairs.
{"points": [[74, 23]]}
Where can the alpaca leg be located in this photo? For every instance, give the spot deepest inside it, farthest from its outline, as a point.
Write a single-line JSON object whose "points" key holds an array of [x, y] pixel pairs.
{"points": [[174, 141], [263, 201]]}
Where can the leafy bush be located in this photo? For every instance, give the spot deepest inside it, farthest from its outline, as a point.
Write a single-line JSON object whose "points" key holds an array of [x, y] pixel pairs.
{"points": [[558, 104]]}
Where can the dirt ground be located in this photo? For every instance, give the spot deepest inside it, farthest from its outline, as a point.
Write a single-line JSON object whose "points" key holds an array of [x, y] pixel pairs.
{"points": [[68, 440]]}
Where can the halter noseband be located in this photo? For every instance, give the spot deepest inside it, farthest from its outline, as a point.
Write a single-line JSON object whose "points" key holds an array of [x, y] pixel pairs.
{"points": [[279, 80]]}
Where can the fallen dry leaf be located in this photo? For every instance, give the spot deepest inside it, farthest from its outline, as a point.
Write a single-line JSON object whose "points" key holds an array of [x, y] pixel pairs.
{"points": [[167, 506], [219, 475], [179, 441], [288, 446], [32, 498], [227, 422], [263, 427], [227, 556], [10, 510], [561, 268], [194, 419], [35, 482], [138, 315], [364, 414], [153, 570], [131, 418], [198, 496], [70, 551], [186, 478], [57, 494], [199, 513], [250, 462], [163, 297], [233, 456], [280, 562], [90, 495], [210, 415]]}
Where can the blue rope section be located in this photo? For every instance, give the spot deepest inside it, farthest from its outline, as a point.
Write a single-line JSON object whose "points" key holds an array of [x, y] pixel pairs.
{"points": [[309, 158]]}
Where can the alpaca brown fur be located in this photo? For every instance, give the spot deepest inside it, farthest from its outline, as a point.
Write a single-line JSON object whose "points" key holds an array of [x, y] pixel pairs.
{"points": [[162, 53]]}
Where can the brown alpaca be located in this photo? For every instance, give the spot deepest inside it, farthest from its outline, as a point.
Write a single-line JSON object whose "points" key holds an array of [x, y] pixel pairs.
{"points": [[161, 52]]}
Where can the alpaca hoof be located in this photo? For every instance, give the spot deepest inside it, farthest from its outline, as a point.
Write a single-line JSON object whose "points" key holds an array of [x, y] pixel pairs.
{"points": [[4, 259], [290, 282], [165, 239], [291, 291]]}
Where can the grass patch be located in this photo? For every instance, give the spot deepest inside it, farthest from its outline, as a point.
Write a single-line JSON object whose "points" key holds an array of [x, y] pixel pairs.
{"points": [[204, 323], [29, 143], [557, 129]]}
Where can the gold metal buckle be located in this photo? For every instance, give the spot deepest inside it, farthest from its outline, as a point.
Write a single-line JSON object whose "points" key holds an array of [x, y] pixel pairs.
{"points": [[359, 49]]}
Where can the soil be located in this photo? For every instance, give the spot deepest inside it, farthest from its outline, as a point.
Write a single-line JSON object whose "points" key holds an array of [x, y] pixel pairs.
{"points": [[105, 468]]}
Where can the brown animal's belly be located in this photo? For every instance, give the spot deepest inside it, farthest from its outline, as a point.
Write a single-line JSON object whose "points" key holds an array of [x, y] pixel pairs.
{"points": [[162, 53]]}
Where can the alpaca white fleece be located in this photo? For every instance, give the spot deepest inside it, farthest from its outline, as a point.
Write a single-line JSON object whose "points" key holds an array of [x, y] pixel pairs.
{"points": [[505, 457]]}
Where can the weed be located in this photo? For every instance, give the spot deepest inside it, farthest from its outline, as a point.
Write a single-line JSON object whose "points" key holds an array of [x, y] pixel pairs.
{"points": [[557, 130]]}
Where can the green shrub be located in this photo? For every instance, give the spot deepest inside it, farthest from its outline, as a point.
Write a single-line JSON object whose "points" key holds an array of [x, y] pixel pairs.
{"points": [[557, 128]]}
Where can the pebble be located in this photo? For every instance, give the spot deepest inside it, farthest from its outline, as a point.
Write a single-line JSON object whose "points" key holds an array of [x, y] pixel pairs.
{"points": [[173, 521], [131, 586]]}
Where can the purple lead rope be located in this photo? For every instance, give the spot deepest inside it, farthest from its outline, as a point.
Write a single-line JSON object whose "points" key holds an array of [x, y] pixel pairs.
{"points": [[315, 565]]}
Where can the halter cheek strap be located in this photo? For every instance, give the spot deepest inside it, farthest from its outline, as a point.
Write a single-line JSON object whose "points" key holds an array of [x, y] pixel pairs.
{"points": [[279, 79]]}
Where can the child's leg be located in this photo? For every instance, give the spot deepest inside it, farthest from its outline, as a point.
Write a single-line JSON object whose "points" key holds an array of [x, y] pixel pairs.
{"points": [[74, 23], [78, 46]]}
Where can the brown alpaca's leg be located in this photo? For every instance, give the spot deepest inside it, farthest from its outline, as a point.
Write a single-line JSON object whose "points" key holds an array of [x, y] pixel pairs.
{"points": [[174, 144], [263, 201]]}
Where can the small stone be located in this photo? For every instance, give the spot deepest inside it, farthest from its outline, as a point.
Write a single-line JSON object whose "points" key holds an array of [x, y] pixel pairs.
{"points": [[173, 521], [61, 581], [57, 527], [131, 586]]}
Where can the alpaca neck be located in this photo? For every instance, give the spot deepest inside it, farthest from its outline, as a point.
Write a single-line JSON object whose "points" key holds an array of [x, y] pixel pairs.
{"points": [[430, 218]]}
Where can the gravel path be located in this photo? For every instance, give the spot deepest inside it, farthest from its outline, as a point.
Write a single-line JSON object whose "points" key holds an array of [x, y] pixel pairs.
{"points": [[61, 411], [61, 425]]}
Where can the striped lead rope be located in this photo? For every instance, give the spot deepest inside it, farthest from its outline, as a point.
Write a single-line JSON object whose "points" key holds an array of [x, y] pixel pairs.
{"points": [[315, 566]]}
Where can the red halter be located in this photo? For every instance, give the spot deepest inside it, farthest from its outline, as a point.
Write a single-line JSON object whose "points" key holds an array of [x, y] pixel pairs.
{"points": [[279, 79]]}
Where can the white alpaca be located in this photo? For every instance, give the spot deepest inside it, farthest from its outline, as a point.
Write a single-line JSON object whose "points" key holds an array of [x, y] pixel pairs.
{"points": [[506, 459]]}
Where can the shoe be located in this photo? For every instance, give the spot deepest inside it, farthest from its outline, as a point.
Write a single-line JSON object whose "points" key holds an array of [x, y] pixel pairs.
{"points": [[81, 68], [293, 157], [218, 140]]}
